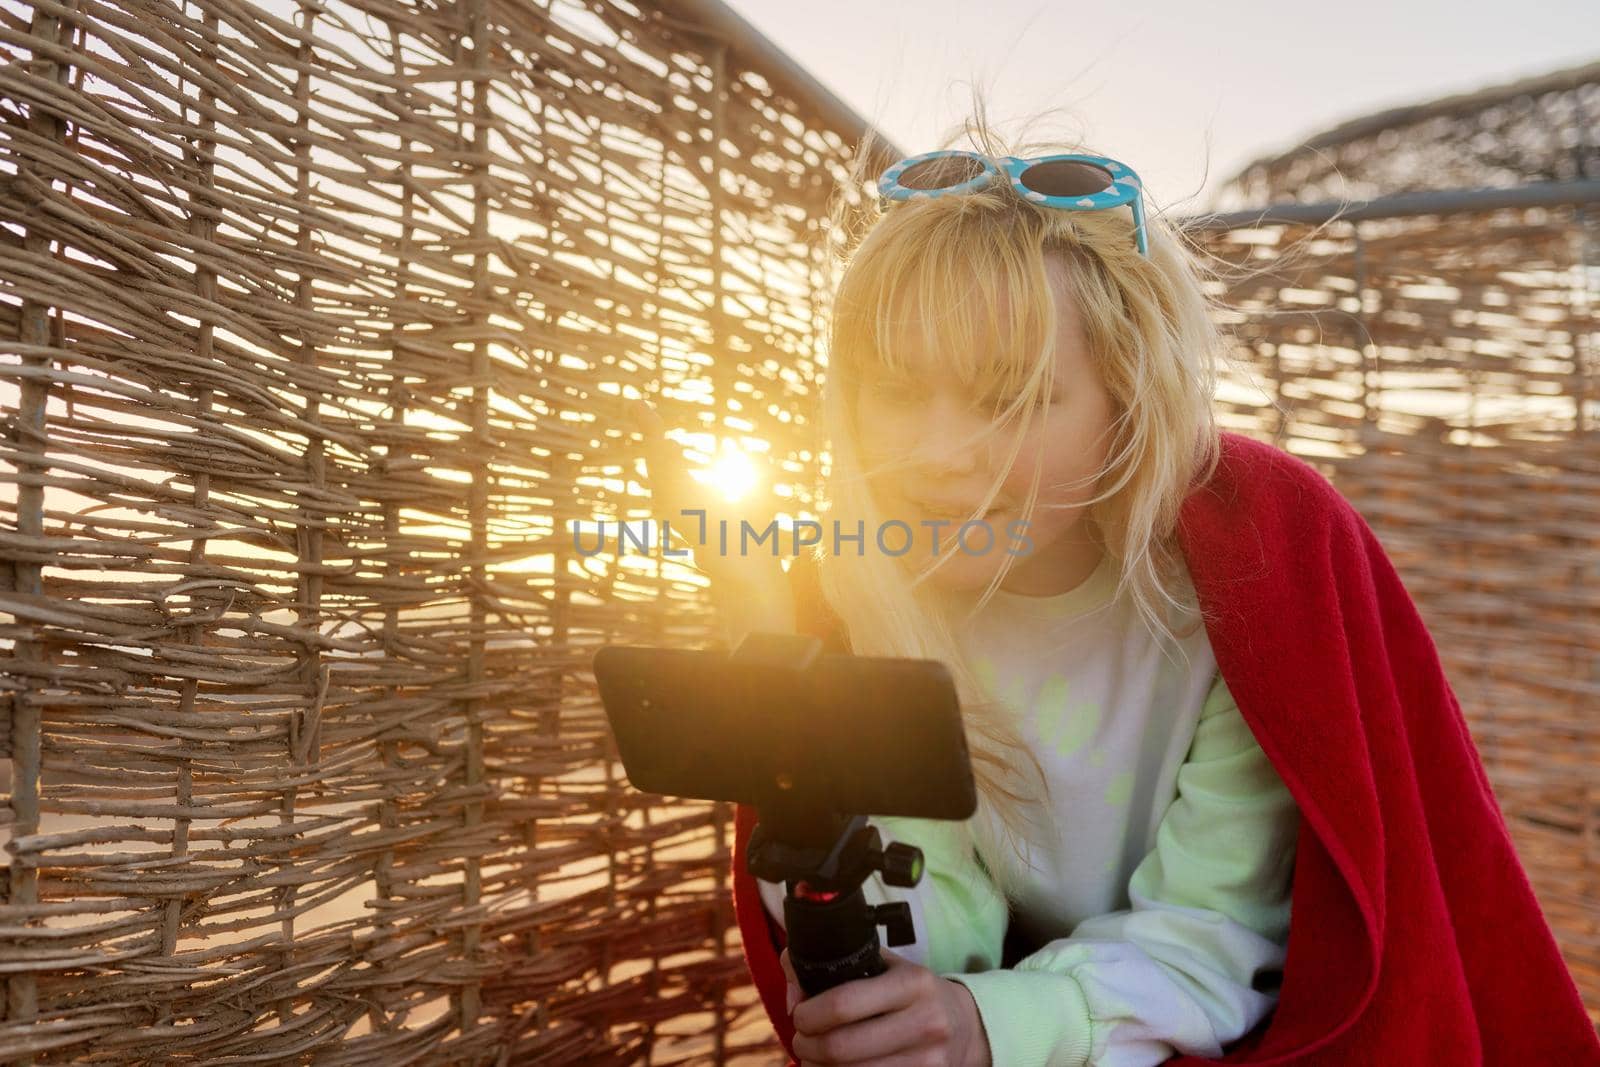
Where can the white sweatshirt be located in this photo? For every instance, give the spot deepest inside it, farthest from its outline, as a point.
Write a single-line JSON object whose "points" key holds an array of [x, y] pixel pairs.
{"points": [[1165, 892]]}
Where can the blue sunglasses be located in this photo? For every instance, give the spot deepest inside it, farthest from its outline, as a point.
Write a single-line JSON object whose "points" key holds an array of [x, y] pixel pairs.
{"points": [[1067, 181]]}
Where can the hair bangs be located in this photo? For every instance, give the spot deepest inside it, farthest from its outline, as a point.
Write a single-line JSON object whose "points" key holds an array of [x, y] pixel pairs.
{"points": [[950, 300]]}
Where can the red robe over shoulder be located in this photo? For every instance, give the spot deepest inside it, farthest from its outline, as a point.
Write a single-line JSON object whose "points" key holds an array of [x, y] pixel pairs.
{"points": [[1414, 938]]}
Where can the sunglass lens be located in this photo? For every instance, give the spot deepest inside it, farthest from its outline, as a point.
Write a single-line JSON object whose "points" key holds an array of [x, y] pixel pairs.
{"points": [[1066, 178], [940, 173]]}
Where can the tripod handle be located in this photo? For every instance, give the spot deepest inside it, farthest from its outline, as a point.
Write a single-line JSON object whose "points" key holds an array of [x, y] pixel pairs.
{"points": [[896, 917], [832, 941], [835, 940], [832, 931]]}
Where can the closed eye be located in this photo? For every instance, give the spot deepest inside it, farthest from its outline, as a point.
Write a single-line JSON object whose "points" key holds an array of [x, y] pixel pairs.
{"points": [[1002, 402], [893, 390]]}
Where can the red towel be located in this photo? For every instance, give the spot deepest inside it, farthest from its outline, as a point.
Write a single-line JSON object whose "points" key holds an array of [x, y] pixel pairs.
{"points": [[1415, 938]]}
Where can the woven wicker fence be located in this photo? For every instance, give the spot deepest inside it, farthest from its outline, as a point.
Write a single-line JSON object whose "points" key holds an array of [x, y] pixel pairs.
{"points": [[1440, 356], [1534, 130], [318, 325], [1444, 371]]}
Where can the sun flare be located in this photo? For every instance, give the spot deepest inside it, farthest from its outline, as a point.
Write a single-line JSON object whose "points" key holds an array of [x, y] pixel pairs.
{"points": [[732, 473]]}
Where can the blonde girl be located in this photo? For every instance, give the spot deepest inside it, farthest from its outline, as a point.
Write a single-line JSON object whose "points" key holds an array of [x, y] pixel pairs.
{"points": [[1022, 360]]}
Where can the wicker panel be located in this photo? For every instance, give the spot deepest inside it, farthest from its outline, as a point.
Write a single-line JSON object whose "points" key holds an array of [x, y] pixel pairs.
{"points": [[1444, 372], [319, 322], [1445, 369], [1536, 129]]}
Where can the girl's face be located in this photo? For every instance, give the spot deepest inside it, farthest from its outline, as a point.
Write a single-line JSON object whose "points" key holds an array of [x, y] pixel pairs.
{"points": [[921, 439]]}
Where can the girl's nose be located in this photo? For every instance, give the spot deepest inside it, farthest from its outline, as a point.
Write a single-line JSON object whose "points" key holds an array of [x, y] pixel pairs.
{"points": [[947, 436]]}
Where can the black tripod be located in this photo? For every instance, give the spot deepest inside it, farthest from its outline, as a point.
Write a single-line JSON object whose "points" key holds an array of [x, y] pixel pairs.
{"points": [[823, 857]]}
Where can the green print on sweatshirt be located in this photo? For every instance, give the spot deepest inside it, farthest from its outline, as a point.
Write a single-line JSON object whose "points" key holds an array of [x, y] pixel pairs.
{"points": [[1064, 724]]}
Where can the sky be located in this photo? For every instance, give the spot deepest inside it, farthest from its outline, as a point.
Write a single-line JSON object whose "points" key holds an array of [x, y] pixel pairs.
{"points": [[1184, 93]]}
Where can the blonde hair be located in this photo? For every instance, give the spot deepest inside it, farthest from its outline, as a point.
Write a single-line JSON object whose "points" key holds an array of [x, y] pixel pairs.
{"points": [[1150, 329]]}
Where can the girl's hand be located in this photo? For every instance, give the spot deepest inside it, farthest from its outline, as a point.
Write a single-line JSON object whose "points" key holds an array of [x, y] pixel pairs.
{"points": [[905, 1017], [749, 588]]}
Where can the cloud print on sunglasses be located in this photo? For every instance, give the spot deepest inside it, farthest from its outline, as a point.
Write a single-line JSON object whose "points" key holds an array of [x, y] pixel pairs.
{"points": [[1068, 181]]}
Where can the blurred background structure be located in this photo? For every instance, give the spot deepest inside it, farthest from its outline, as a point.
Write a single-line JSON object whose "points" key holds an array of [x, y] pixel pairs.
{"points": [[318, 324]]}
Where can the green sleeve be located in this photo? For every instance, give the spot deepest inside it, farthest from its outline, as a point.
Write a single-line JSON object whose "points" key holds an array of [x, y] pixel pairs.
{"points": [[962, 915], [1177, 971]]}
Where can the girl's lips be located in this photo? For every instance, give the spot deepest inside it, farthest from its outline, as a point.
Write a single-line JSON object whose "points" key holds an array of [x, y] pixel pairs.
{"points": [[959, 516]]}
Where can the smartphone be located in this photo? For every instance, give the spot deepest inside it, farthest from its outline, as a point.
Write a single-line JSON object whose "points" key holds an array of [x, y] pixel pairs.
{"points": [[854, 734]]}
